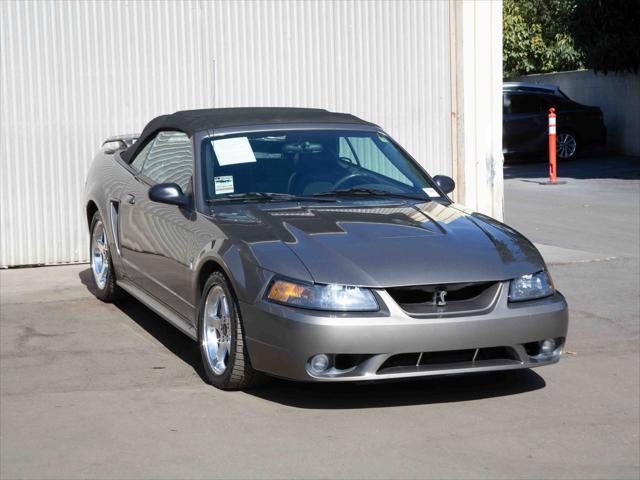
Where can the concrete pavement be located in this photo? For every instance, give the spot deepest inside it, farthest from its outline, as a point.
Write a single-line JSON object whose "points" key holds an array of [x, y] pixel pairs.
{"points": [[90, 390]]}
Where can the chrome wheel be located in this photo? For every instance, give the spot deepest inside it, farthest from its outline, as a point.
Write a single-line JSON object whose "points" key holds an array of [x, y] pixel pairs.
{"points": [[99, 255], [566, 145], [216, 335]]}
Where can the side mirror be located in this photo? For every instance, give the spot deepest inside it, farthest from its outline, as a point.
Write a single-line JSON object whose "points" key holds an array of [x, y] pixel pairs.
{"points": [[445, 183], [170, 193]]}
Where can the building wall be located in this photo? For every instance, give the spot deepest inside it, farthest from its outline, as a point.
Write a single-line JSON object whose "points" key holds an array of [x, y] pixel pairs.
{"points": [[477, 156], [75, 73], [617, 95]]}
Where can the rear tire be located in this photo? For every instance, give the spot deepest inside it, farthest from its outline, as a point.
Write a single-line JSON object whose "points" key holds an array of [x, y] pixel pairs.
{"points": [[103, 274], [221, 338], [567, 145]]}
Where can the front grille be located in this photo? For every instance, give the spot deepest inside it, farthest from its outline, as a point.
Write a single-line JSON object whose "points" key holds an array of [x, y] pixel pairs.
{"points": [[448, 356], [458, 298], [401, 360], [450, 359]]}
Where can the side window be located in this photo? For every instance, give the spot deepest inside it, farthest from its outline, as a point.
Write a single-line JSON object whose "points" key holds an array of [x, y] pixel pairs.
{"points": [[555, 102], [141, 157], [170, 159], [364, 152], [528, 103], [345, 150]]}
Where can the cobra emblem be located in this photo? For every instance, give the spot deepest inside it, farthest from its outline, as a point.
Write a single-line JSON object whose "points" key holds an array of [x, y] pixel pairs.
{"points": [[440, 298]]}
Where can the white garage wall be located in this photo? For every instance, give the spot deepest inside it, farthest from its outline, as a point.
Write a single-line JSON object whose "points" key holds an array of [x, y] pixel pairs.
{"points": [[478, 156], [75, 73]]}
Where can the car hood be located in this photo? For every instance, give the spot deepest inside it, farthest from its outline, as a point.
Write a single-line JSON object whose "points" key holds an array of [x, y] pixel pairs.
{"points": [[379, 243]]}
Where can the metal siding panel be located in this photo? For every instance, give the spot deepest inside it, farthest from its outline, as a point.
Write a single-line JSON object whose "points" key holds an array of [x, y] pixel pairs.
{"points": [[76, 73], [348, 57], [480, 97]]}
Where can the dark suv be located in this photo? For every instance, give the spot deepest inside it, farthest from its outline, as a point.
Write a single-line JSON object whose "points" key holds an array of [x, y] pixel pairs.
{"points": [[525, 121]]}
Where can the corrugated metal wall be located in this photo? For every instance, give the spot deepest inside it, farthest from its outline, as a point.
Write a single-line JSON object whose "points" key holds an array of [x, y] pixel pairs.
{"points": [[478, 53], [75, 73]]}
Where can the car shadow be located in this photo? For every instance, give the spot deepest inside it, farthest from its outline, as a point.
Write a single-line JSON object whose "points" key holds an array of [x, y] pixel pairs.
{"points": [[169, 336], [338, 395], [588, 166], [380, 394]]}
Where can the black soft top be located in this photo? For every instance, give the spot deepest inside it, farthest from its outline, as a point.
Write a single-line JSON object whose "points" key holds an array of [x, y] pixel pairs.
{"points": [[192, 121]]}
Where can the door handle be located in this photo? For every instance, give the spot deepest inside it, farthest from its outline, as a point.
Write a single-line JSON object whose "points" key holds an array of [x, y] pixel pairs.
{"points": [[131, 198]]}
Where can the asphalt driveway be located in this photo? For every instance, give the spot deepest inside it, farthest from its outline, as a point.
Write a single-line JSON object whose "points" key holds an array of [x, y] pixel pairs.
{"points": [[95, 390]]}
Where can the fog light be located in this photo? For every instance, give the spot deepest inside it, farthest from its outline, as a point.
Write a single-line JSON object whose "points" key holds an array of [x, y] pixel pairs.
{"points": [[548, 346], [319, 363]]}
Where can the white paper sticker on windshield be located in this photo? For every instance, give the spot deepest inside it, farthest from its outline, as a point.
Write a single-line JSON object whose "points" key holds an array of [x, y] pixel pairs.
{"points": [[223, 184], [231, 151], [431, 192]]}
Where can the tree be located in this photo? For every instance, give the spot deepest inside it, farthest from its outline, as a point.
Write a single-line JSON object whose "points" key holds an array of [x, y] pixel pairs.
{"points": [[608, 34], [535, 37]]}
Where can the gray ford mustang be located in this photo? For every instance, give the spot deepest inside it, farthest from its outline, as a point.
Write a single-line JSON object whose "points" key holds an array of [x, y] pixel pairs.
{"points": [[309, 245]]}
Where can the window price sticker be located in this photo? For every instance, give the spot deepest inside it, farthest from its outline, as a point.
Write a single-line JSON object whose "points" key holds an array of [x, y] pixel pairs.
{"points": [[223, 184]]}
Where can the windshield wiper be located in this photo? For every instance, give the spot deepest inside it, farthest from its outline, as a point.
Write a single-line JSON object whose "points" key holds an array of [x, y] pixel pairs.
{"points": [[267, 197], [370, 191]]}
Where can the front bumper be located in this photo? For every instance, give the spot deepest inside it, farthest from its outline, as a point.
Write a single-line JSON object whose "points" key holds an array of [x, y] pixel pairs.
{"points": [[391, 344]]}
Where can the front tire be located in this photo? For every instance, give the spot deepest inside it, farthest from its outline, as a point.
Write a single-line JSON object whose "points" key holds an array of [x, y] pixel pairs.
{"points": [[103, 274], [221, 338]]}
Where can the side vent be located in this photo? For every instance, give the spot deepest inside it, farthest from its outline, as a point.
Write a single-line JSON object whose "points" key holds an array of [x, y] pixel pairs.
{"points": [[115, 223]]}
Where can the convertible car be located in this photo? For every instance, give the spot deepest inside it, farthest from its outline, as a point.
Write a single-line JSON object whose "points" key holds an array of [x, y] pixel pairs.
{"points": [[309, 245]]}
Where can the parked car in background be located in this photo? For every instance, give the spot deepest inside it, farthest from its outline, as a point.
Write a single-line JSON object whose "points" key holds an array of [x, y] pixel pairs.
{"points": [[525, 121], [309, 245]]}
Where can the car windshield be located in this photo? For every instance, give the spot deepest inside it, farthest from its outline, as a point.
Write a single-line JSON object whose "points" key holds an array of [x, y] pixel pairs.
{"points": [[308, 164]]}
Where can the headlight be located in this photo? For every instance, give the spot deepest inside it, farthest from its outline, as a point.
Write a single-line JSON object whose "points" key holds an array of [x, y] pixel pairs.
{"points": [[322, 297], [530, 287]]}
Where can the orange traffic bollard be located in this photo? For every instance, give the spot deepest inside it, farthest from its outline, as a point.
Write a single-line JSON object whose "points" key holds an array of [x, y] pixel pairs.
{"points": [[552, 145], [553, 178]]}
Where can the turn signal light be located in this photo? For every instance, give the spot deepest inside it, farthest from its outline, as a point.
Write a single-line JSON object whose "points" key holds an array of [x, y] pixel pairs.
{"points": [[282, 291]]}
